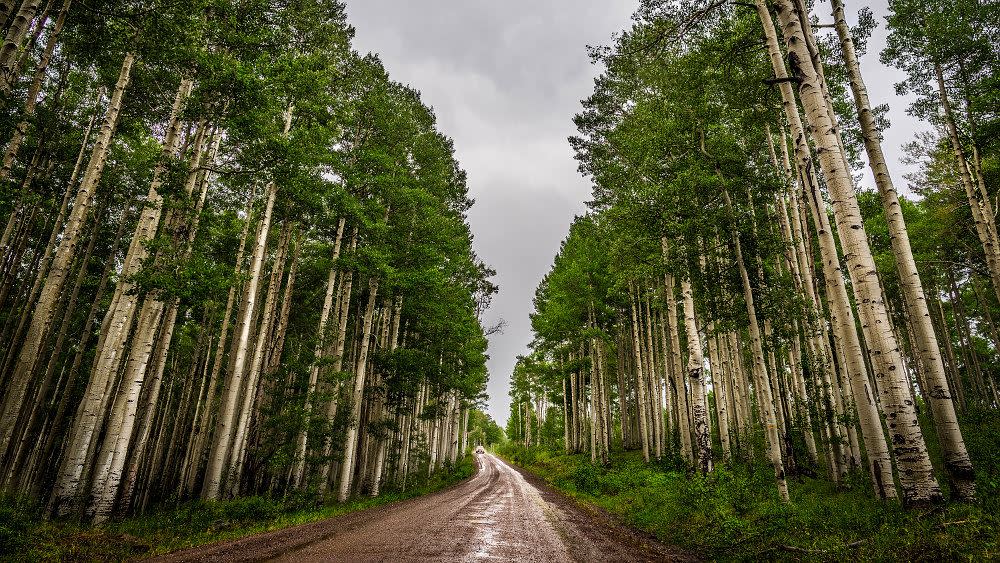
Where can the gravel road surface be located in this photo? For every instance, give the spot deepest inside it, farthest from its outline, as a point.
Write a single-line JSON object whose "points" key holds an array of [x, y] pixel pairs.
{"points": [[499, 514]]}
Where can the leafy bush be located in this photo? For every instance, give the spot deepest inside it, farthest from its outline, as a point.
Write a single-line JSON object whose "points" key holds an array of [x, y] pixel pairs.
{"points": [[734, 513], [24, 536]]}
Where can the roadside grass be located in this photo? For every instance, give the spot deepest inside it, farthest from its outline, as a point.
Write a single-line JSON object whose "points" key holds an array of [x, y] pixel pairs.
{"points": [[24, 536], [735, 513]]}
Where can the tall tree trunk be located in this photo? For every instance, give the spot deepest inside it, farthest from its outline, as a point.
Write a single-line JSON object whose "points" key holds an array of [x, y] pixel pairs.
{"points": [[224, 428], [956, 457], [696, 368], [13, 42], [765, 397], [842, 316], [640, 379], [350, 444], [31, 102], [44, 309], [331, 285], [684, 410], [916, 473]]}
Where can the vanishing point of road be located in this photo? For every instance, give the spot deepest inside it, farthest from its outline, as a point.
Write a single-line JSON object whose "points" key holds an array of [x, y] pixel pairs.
{"points": [[499, 514]]}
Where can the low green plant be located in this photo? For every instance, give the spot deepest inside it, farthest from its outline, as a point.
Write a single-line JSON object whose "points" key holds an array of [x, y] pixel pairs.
{"points": [[26, 536], [734, 513]]}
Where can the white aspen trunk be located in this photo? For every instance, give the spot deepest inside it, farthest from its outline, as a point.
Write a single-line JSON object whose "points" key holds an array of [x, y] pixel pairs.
{"points": [[12, 43], [957, 460], [224, 428], [331, 284], [45, 308], [465, 431], [916, 473], [453, 446], [574, 421], [593, 407], [734, 388], [111, 461], [765, 397], [565, 388], [743, 385], [343, 310], [683, 408], [31, 101], [668, 375], [842, 316], [656, 415], [602, 404], [107, 471], [203, 428], [248, 408], [802, 395], [640, 380], [120, 317], [382, 444], [695, 369], [721, 408], [350, 444], [982, 216]]}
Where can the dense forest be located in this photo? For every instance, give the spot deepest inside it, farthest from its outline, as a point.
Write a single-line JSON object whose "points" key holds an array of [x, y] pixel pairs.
{"points": [[235, 260], [734, 297]]}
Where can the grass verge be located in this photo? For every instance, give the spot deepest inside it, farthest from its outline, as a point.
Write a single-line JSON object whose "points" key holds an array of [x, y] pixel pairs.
{"points": [[24, 536], [735, 514]]}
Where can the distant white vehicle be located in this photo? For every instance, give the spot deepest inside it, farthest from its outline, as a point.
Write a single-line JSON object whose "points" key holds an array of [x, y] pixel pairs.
{"points": [[480, 450]]}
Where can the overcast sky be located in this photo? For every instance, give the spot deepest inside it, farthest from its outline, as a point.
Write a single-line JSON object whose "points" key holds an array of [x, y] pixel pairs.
{"points": [[505, 79]]}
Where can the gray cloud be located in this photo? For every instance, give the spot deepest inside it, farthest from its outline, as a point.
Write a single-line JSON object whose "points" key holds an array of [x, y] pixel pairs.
{"points": [[504, 79]]}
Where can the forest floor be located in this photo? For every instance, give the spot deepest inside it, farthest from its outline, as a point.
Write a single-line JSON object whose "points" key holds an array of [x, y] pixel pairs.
{"points": [[735, 514], [24, 536], [499, 514]]}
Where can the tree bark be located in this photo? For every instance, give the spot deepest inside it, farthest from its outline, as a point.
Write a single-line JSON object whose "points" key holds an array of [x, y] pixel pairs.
{"points": [[957, 460], [916, 473], [695, 368], [350, 444]]}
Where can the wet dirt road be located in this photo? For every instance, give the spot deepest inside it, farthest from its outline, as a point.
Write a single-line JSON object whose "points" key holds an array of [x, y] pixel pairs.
{"points": [[499, 514]]}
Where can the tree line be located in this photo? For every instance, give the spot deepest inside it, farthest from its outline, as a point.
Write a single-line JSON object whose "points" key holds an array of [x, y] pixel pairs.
{"points": [[235, 259], [733, 292]]}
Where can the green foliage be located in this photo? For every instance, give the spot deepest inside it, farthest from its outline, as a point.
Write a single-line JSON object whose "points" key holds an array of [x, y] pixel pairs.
{"points": [[24, 536], [735, 514]]}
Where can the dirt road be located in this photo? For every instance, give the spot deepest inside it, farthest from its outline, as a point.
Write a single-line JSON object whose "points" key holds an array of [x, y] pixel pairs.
{"points": [[498, 515]]}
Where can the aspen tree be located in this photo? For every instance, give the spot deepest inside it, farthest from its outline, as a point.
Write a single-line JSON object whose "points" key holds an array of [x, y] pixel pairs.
{"points": [[842, 316], [300, 454], [916, 476], [699, 409], [223, 434], [44, 309], [350, 444]]}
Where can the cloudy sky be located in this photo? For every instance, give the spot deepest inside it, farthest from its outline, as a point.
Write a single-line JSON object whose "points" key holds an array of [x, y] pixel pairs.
{"points": [[505, 79]]}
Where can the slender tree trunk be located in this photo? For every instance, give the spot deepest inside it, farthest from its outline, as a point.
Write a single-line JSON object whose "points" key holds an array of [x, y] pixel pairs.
{"points": [[765, 398], [13, 42], [957, 460], [684, 410], [331, 284], [695, 368], [916, 473], [840, 308], [44, 309], [224, 429], [640, 379], [350, 444], [21, 130]]}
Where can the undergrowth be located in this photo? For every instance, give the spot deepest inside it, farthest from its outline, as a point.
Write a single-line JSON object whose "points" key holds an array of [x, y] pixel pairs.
{"points": [[25, 536], [734, 513]]}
